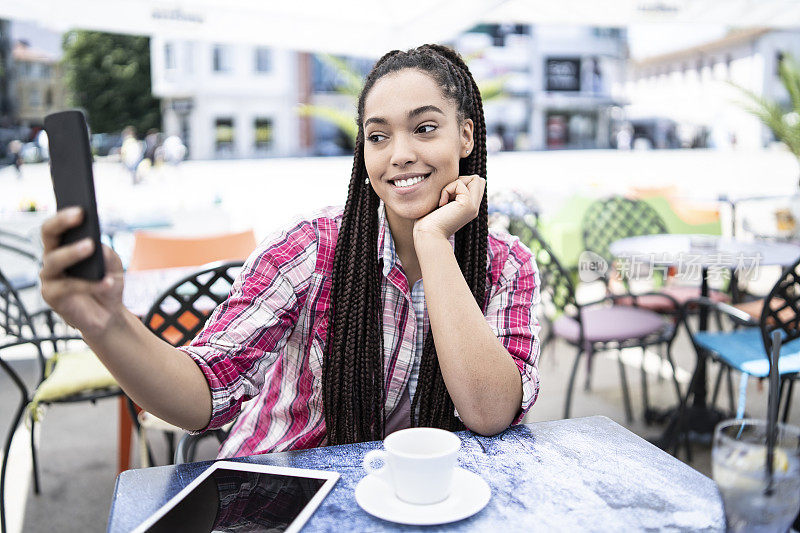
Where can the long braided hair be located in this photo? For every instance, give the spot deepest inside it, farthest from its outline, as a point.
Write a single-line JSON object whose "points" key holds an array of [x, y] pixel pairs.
{"points": [[354, 393]]}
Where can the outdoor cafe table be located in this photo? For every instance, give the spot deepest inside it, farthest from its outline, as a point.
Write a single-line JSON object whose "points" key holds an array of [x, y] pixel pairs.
{"points": [[582, 474], [702, 252]]}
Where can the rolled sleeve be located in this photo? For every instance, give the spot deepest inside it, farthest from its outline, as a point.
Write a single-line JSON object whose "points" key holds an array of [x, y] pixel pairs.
{"points": [[245, 335], [511, 313]]}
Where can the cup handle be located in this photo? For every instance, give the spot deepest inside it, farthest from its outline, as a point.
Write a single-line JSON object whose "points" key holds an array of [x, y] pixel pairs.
{"points": [[383, 471]]}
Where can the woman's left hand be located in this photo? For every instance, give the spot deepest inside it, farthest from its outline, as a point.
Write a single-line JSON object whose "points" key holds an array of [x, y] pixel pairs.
{"points": [[459, 204]]}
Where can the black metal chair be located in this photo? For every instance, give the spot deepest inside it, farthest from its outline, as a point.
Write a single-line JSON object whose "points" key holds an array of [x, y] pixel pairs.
{"points": [[593, 327], [177, 316], [617, 217], [64, 375], [745, 345]]}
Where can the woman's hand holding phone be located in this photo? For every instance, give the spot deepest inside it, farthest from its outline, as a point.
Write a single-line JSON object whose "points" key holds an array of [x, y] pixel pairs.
{"points": [[89, 306], [459, 204]]}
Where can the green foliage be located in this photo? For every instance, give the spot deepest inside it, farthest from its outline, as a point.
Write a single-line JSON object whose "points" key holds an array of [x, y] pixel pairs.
{"points": [[784, 123], [109, 77], [344, 120]]}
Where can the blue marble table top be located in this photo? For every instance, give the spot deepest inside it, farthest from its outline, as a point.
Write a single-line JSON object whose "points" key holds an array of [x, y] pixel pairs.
{"points": [[581, 474]]}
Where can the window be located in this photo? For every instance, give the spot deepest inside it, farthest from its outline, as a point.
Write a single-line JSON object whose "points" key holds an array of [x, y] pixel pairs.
{"points": [[34, 97], [263, 135], [48, 97], [169, 56], [223, 137], [188, 57], [221, 58], [263, 58]]}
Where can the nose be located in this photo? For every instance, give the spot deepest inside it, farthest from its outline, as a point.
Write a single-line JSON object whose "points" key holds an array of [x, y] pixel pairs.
{"points": [[403, 152]]}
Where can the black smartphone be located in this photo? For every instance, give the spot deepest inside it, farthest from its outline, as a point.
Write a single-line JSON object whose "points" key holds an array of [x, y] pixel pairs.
{"points": [[73, 184]]}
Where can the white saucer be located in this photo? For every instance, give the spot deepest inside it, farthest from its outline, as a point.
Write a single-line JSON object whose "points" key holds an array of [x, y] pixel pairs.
{"points": [[470, 494]]}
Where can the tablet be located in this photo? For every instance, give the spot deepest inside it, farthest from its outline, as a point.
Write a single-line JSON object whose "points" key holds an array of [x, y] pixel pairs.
{"points": [[244, 497]]}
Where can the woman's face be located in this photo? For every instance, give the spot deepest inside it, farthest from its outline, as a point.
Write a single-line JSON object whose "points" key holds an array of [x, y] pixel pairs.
{"points": [[413, 142]]}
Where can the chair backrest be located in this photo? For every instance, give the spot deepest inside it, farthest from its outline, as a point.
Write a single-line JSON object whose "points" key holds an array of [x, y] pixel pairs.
{"points": [[179, 314], [781, 307], [152, 250], [557, 291], [606, 221], [15, 321]]}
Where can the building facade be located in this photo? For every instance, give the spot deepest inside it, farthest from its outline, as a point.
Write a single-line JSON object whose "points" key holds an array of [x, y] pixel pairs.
{"points": [[228, 100], [695, 86], [39, 87], [563, 85]]}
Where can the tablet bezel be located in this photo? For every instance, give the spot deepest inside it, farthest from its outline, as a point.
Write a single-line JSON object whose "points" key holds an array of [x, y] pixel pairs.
{"points": [[329, 476]]}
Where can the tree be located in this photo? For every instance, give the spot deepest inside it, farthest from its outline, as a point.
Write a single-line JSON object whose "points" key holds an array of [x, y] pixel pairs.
{"points": [[109, 77], [784, 123]]}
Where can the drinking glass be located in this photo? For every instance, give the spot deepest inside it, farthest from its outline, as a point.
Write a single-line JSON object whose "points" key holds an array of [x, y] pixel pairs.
{"points": [[738, 461]]}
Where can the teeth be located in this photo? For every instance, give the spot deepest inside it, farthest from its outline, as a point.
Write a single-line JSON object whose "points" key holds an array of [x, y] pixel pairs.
{"points": [[408, 182]]}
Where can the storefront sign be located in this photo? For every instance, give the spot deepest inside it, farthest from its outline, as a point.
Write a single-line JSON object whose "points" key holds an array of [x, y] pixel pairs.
{"points": [[563, 74]]}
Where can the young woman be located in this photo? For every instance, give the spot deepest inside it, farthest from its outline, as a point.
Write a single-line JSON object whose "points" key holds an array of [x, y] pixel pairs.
{"points": [[328, 328]]}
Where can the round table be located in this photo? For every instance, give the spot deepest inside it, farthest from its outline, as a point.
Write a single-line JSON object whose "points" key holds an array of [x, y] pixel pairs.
{"points": [[704, 252]]}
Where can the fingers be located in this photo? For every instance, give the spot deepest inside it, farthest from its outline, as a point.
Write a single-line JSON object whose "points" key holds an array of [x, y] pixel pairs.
{"points": [[476, 189], [53, 227], [55, 261], [55, 291], [112, 260]]}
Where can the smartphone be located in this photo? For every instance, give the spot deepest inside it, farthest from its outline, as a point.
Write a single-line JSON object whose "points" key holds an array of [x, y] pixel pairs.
{"points": [[73, 185]]}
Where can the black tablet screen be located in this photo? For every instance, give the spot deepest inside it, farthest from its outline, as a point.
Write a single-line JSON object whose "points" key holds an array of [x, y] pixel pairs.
{"points": [[240, 501]]}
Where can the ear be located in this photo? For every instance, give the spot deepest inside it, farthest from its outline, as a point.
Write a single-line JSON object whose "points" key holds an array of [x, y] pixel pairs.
{"points": [[467, 143]]}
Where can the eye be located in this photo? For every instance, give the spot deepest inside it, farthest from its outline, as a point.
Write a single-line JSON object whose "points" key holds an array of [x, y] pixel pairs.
{"points": [[426, 128], [375, 138]]}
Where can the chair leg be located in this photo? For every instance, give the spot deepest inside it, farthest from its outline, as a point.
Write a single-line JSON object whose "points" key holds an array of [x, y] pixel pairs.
{"points": [[6, 452], [788, 402], [34, 457], [674, 371], [717, 384], [170, 438], [625, 395], [571, 383], [587, 385], [645, 395], [731, 403]]}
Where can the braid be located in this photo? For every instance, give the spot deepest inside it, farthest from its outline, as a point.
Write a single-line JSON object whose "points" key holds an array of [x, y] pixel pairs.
{"points": [[354, 388]]}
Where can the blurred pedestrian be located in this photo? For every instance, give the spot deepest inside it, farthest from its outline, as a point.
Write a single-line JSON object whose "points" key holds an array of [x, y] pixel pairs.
{"points": [[174, 150], [131, 152], [152, 141], [15, 154]]}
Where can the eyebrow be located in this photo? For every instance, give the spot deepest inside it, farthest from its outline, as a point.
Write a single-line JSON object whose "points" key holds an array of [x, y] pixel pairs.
{"points": [[411, 114]]}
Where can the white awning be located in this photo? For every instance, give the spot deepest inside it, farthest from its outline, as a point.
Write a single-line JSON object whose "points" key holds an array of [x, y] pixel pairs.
{"points": [[369, 29]]}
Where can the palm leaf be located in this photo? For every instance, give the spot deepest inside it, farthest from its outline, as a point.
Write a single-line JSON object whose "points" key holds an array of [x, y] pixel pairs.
{"points": [[789, 71], [351, 79], [783, 123], [344, 120]]}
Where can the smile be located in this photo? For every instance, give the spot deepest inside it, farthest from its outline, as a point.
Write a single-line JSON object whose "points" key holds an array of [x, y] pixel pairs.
{"points": [[409, 181]]}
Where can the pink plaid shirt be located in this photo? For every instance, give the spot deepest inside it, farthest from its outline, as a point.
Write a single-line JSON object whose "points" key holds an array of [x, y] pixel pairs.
{"points": [[266, 342]]}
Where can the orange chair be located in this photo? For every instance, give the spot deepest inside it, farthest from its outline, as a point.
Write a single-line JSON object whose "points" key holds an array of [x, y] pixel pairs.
{"points": [[157, 251], [152, 250]]}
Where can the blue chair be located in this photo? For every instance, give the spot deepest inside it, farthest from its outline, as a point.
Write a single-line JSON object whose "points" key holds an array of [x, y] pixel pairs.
{"points": [[745, 347]]}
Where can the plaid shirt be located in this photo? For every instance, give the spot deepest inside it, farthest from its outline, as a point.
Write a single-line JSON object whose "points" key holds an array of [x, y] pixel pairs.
{"points": [[267, 340]]}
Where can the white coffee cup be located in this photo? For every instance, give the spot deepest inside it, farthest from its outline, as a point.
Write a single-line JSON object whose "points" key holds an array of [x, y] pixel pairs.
{"points": [[418, 463]]}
